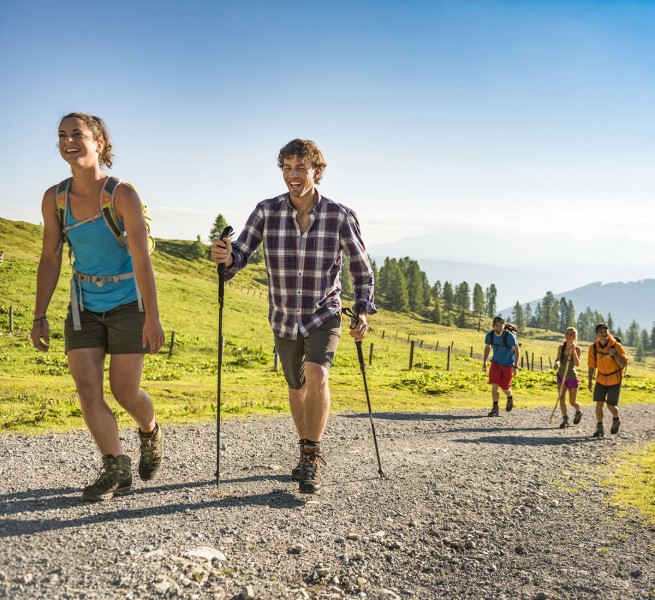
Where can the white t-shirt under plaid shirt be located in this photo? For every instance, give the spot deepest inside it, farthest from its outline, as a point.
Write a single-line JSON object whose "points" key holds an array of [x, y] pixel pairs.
{"points": [[303, 269]]}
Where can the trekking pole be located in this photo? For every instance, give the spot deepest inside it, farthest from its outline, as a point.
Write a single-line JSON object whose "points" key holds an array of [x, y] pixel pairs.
{"points": [[227, 233], [362, 368], [561, 386]]}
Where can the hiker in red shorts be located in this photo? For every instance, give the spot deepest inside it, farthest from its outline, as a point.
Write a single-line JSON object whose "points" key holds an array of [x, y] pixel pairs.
{"points": [[503, 363]]}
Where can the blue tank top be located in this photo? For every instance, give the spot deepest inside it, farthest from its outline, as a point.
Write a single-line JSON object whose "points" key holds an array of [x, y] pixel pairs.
{"points": [[97, 252]]}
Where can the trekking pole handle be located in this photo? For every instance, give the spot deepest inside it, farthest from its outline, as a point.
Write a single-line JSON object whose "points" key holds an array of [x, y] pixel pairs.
{"points": [[228, 232]]}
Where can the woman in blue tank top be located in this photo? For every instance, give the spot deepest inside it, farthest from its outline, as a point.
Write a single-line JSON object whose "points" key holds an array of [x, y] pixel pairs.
{"points": [[113, 306]]}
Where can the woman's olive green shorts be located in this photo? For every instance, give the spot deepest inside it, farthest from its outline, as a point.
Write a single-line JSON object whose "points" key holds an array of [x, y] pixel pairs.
{"points": [[319, 347], [118, 331]]}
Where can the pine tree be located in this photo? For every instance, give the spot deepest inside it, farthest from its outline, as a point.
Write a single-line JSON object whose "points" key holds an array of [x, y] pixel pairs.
{"points": [[517, 316], [610, 321], [490, 300], [448, 296], [217, 228], [645, 339], [632, 335], [478, 299], [571, 321], [463, 296]]}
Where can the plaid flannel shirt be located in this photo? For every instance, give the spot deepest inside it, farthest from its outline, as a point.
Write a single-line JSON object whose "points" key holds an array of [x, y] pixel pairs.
{"points": [[304, 289]]}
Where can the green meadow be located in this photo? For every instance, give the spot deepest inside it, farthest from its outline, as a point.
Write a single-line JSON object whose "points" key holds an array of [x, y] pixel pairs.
{"points": [[37, 393]]}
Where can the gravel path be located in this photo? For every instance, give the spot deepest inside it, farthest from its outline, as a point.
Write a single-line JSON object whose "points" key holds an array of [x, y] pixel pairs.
{"points": [[470, 507]]}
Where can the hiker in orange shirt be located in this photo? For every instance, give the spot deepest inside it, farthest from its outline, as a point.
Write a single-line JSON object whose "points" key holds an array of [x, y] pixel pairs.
{"points": [[608, 359]]}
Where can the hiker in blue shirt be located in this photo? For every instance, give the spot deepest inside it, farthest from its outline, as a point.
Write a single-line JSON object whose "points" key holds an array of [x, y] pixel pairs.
{"points": [[503, 363], [113, 308]]}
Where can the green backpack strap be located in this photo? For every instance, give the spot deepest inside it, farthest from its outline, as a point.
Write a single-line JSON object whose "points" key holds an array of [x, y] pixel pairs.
{"points": [[61, 206], [109, 214]]}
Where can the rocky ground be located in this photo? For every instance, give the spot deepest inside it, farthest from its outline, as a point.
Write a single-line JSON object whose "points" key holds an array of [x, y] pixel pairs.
{"points": [[469, 507]]}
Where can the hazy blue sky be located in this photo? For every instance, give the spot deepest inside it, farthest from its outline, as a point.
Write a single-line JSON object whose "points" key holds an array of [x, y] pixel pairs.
{"points": [[441, 119]]}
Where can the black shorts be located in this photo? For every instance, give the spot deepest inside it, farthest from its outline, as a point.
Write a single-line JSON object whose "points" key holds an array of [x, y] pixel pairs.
{"points": [[118, 331], [319, 347], [607, 393]]}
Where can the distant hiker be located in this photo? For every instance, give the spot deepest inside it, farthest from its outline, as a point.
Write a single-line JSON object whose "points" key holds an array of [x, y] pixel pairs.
{"points": [[303, 235], [108, 313], [503, 362], [608, 359], [568, 358]]}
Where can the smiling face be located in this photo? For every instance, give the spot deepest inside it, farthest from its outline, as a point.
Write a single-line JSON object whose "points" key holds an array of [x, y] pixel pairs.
{"points": [[498, 327], [299, 177], [77, 144], [603, 334]]}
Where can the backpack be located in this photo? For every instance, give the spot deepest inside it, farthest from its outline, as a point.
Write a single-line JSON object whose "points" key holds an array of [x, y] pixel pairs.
{"points": [[507, 328], [108, 214]]}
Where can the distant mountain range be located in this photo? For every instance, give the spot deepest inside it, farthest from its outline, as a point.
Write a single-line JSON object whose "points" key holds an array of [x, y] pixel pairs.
{"points": [[626, 302]]}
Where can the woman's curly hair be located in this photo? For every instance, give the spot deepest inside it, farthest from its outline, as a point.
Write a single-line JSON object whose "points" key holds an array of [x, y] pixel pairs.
{"points": [[100, 132]]}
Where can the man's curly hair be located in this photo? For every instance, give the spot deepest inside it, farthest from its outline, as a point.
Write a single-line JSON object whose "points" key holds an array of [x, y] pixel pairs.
{"points": [[304, 149]]}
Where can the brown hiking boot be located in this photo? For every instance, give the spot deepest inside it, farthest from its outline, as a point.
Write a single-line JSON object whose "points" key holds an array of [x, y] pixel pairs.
{"points": [[565, 422], [114, 478], [494, 411], [578, 417], [310, 464], [510, 403], [616, 423], [151, 453], [600, 431]]}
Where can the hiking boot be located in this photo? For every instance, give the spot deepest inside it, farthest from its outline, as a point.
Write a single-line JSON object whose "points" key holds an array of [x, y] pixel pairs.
{"points": [[151, 453], [310, 473], [494, 411], [600, 431], [565, 422], [616, 423], [114, 478], [510, 403], [578, 417]]}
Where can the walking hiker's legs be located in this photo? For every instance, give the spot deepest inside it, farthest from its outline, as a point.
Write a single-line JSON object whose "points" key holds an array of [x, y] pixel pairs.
{"points": [[87, 368], [573, 395], [495, 395], [562, 401], [599, 411], [310, 405], [124, 380]]}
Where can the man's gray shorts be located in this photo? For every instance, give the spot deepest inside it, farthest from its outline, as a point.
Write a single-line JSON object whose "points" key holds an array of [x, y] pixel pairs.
{"points": [[319, 347]]}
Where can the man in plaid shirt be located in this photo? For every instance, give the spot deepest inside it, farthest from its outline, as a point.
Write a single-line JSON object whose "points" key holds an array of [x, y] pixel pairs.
{"points": [[304, 234]]}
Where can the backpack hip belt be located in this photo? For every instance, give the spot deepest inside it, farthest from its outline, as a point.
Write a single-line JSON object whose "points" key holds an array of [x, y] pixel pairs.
{"points": [[78, 305]]}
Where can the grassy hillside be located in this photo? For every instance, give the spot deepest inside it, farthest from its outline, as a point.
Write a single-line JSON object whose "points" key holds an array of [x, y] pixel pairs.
{"points": [[36, 391]]}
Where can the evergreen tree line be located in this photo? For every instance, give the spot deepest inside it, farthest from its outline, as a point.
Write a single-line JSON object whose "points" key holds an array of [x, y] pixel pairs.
{"points": [[402, 286]]}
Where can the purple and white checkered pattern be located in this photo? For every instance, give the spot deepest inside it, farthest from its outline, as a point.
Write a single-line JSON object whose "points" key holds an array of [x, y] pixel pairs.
{"points": [[303, 269]]}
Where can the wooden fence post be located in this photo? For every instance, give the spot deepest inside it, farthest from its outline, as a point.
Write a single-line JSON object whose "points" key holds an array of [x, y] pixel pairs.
{"points": [[383, 334], [448, 360], [541, 363], [532, 367], [411, 354], [437, 346], [172, 345], [370, 355], [550, 362], [471, 351]]}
